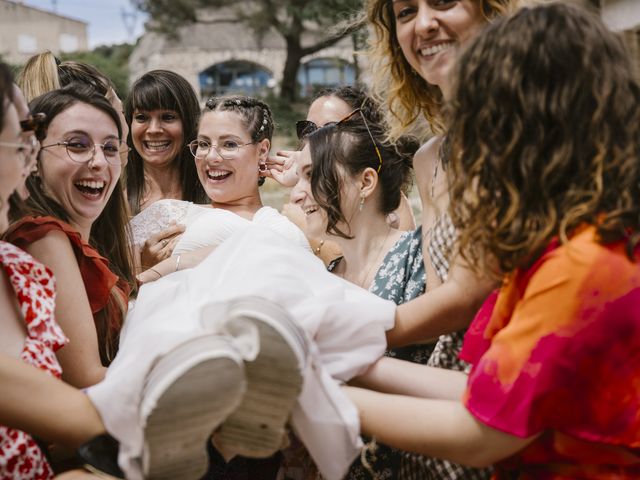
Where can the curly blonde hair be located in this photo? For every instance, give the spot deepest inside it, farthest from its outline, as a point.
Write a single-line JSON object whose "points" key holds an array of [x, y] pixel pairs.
{"points": [[548, 139], [405, 95]]}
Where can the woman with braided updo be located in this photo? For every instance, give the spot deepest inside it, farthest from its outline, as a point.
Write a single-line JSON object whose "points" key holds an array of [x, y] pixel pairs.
{"points": [[230, 154], [263, 295]]}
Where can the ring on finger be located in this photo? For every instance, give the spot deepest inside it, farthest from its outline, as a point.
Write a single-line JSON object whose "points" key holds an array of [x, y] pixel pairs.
{"points": [[164, 242]]}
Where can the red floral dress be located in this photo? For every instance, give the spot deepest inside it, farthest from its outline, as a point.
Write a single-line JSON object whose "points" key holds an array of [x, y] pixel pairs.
{"points": [[34, 285]]}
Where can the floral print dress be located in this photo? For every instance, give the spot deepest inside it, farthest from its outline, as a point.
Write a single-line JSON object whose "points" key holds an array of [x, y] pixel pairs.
{"points": [[20, 456]]}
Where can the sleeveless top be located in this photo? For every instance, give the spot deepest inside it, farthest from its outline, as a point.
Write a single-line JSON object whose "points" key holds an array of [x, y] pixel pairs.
{"points": [[20, 456], [99, 281]]}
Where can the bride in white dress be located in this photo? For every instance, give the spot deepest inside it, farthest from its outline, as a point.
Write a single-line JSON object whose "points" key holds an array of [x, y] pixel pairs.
{"points": [[230, 153], [334, 330]]}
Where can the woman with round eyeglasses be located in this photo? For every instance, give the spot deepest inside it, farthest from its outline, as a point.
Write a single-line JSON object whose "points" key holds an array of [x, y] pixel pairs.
{"points": [[234, 138], [260, 253], [31, 391], [74, 222]]}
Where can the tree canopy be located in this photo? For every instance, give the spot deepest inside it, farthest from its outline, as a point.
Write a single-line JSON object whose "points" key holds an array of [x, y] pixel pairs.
{"points": [[306, 26]]}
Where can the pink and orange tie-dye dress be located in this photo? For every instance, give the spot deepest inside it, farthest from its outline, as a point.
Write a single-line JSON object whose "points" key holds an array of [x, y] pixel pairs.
{"points": [[557, 353]]}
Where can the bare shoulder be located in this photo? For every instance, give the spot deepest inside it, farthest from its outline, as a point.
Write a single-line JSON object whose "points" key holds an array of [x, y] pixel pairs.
{"points": [[53, 249], [425, 159]]}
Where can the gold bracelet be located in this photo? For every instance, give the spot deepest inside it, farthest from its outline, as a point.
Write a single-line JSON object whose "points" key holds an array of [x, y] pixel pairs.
{"points": [[316, 250], [178, 262]]}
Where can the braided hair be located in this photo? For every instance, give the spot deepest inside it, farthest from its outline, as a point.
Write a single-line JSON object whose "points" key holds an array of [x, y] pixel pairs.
{"points": [[256, 116]]}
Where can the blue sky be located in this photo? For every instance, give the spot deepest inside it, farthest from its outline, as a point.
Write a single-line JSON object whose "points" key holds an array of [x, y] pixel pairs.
{"points": [[105, 19]]}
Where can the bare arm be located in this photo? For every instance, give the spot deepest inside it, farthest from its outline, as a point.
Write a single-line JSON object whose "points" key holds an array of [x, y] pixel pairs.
{"points": [[445, 309], [400, 377], [175, 263], [159, 246], [438, 428], [44, 406], [80, 358]]}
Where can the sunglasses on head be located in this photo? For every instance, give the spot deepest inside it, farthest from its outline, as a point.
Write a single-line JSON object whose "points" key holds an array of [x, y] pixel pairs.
{"points": [[35, 123], [304, 128]]}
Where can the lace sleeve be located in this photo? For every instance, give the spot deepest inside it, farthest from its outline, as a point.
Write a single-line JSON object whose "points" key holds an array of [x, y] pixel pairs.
{"points": [[157, 217]]}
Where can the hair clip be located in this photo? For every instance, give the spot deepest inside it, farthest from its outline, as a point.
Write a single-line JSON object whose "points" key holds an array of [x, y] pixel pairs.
{"points": [[238, 101], [35, 123]]}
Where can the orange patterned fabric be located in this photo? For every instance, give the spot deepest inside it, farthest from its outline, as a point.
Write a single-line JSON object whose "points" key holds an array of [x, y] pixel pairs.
{"points": [[557, 353]]}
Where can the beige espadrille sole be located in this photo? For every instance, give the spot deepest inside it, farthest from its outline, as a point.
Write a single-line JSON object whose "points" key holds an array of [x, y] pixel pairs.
{"points": [[274, 380], [188, 393]]}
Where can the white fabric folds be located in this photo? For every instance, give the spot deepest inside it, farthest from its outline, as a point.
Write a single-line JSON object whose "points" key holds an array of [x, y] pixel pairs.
{"points": [[345, 325]]}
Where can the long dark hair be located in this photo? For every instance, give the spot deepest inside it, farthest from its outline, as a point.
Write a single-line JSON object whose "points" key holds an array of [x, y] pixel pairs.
{"points": [[546, 139], [348, 147], [109, 233], [162, 89]]}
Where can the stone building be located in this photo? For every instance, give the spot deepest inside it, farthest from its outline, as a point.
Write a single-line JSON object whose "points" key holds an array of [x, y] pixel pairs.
{"points": [[25, 31], [220, 56]]}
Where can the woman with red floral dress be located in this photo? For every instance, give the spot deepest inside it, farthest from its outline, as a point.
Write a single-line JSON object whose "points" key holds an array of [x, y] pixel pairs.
{"points": [[27, 295], [34, 287]]}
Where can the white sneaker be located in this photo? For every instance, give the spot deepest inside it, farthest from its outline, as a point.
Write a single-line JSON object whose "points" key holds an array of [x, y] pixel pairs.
{"points": [[274, 379], [188, 393]]}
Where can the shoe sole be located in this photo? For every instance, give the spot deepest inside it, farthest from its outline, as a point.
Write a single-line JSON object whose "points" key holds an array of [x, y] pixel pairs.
{"points": [[274, 380], [195, 387]]}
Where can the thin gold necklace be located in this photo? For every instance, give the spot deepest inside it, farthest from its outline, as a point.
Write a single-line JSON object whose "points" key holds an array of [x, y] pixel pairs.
{"points": [[373, 263]]}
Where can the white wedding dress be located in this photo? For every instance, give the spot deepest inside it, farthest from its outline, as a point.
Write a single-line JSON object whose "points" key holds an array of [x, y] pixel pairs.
{"points": [[345, 325], [206, 226]]}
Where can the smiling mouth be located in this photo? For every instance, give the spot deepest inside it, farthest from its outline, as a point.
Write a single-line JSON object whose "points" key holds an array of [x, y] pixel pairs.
{"points": [[310, 210], [92, 188], [435, 49], [217, 175], [156, 146]]}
